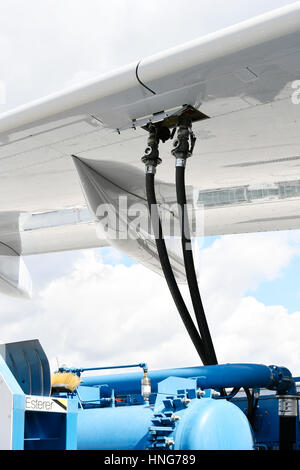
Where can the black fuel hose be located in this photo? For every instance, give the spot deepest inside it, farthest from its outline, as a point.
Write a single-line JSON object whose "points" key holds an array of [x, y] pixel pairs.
{"points": [[210, 355], [167, 269]]}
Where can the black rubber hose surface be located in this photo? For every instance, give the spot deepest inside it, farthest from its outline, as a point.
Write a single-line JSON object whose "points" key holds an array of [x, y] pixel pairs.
{"points": [[167, 269], [210, 355]]}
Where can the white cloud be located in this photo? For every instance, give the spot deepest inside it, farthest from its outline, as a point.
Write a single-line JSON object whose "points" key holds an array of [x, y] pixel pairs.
{"points": [[263, 334], [100, 314], [243, 328], [235, 264]]}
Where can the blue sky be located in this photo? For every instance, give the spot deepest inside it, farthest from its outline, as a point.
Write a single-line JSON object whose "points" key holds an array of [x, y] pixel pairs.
{"points": [[110, 256], [283, 290]]}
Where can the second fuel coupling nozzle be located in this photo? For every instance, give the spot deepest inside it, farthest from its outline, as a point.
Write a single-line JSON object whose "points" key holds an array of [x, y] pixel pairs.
{"points": [[151, 156]]}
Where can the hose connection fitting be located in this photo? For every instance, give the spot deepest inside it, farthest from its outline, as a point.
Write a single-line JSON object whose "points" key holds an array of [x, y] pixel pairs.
{"points": [[151, 157], [184, 144], [146, 386]]}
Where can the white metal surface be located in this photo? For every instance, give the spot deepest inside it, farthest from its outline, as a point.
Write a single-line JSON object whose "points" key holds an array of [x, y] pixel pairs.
{"points": [[6, 415]]}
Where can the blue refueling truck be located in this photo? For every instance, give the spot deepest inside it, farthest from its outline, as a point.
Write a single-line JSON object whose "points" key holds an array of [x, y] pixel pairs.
{"points": [[218, 407]]}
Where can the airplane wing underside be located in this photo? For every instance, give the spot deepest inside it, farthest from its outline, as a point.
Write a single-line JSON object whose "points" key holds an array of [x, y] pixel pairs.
{"points": [[244, 175]]}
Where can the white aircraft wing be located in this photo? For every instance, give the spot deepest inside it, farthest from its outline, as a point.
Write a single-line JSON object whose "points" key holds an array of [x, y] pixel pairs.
{"points": [[244, 83]]}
